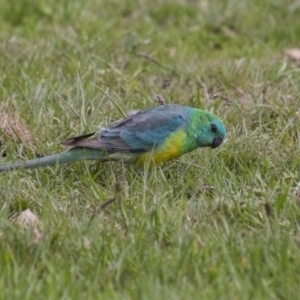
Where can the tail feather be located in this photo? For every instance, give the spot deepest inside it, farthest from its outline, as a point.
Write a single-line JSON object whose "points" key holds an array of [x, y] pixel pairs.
{"points": [[72, 155]]}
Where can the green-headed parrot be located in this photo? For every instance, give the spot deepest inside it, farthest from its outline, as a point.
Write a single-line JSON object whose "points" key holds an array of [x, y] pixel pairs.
{"points": [[157, 134]]}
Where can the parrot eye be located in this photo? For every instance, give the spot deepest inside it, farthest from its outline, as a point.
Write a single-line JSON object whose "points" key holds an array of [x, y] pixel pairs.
{"points": [[213, 127]]}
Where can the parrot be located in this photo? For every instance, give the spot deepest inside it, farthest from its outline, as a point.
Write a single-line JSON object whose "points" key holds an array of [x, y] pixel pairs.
{"points": [[157, 134]]}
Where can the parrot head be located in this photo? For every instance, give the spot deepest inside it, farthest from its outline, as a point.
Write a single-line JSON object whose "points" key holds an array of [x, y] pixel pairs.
{"points": [[211, 133]]}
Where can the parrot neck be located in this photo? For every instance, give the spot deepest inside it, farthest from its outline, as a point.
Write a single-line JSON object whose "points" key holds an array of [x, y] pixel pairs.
{"points": [[197, 120]]}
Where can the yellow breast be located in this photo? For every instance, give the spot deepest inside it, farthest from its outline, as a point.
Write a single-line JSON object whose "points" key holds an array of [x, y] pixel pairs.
{"points": [[170, 149]]}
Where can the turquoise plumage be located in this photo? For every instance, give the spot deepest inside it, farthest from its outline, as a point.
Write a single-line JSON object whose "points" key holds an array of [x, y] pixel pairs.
{"points": [[158, 134]]}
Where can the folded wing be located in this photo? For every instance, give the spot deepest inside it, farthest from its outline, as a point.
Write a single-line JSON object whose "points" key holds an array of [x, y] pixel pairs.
{"points": [[137, 133]]}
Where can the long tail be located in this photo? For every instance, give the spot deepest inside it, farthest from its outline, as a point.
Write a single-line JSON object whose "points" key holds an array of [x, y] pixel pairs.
{"points": [[72, 155]]}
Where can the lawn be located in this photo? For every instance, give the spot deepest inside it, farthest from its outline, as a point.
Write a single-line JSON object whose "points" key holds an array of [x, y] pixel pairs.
{"points": [[215, 224]]}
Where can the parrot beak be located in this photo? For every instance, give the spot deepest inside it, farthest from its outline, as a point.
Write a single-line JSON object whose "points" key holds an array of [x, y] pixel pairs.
{"points": [[216, 142]]}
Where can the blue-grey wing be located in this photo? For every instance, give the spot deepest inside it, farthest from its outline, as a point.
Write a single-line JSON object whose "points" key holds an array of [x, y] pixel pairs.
{"points": [[137, 133]]}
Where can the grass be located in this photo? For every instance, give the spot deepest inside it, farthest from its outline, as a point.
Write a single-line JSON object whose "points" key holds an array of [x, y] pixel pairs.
{"points": [[221, 224]]}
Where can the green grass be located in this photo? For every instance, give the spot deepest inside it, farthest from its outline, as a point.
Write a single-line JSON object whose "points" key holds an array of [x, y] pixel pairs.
{"points": [[218, 224]]}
